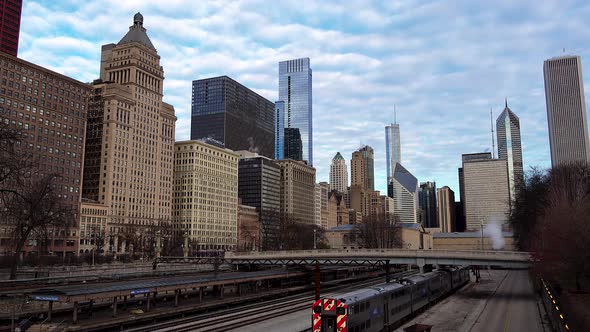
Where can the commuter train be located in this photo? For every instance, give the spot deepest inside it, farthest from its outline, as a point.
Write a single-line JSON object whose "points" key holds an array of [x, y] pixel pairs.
{"points": [[379, 308]]}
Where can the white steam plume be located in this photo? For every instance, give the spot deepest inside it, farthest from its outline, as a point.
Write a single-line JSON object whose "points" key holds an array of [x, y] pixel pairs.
{"points": [[493, 230]]}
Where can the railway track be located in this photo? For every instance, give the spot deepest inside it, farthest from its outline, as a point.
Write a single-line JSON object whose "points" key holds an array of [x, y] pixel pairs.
{"points": [[249, 314]]}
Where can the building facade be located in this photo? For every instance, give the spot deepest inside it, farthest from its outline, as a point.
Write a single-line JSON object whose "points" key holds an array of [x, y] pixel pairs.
{"points": [[487, 194], [510, 149], [393, 154], [94, 232], [362, 168], [405, 195], [465, 158], [566, 110], [295, 90], [297, 190], [427, 203], [130, 141], [49, 109], [205, 204], [259, 186], [446, 209], [228, 112], [293, 145], [317, 205], [10, 12], [248, 229], [279, 128], [324, 196], [338, 174]]}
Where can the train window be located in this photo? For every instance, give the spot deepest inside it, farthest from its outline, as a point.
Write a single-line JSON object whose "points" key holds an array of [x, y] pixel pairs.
{"points": [[362, 308], [363, 326], [368, 324], [368, 304]]}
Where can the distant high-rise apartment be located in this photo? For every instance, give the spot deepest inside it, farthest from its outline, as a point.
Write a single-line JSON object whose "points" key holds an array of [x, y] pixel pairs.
{"points": [[297, 190], [427, 202], [211, 221], [129, 155], [405, 194], [509, 148], [239, 118], [49, 110], [260, 186], [392, 148], [487, 194], [338, 174], [566, 110], [362, 168], [295, 91], [317, 205], [279, 130], [10, 12], [446, 209], [293, 144]]}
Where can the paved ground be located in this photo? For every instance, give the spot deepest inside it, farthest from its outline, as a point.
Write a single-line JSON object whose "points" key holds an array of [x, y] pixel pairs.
{"points": [[502, 301]]}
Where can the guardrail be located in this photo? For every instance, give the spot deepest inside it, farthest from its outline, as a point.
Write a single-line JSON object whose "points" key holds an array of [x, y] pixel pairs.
{"points": [[555, 313]]}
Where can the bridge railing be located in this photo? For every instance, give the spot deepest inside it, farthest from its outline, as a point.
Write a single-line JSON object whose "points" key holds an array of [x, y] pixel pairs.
{"points": [[384, 253]]}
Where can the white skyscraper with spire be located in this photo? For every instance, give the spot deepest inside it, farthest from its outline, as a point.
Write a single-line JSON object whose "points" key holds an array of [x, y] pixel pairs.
{"points": [[509, 148], [392, 147], [338, 174]]}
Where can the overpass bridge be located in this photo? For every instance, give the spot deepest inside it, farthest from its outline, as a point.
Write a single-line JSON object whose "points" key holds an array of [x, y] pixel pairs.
{"points": [[420, 258]]}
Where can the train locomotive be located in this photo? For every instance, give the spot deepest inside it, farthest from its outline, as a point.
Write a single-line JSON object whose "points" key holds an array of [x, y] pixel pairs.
{"points": [[379, 308]]}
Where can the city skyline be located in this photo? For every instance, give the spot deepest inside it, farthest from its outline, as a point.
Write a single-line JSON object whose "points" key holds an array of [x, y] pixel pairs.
{"points": [[349, 82]]}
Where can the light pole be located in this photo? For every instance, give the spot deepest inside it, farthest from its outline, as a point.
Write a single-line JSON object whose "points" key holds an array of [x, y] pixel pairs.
{"points": [[314, 241], [481, 224]]}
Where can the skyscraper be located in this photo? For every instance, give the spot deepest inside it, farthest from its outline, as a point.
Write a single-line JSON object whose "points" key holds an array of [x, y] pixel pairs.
{"points": [[446, 209], [130, 139], [405, 194], [566, 110], [295, 91], [362, 168], [293, 144], [297, 190], [232, 114], [279, 130], [10, 12], [392, 148], [427, 202], [338, 174], [487, 197], [509, 148]]}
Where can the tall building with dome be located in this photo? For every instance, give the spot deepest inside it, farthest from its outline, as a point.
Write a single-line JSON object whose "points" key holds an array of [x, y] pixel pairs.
{"points": [[130, 141]]}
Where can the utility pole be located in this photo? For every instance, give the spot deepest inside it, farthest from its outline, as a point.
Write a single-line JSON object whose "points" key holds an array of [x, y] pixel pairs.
{"points": [[481, 224], [314, 241]]}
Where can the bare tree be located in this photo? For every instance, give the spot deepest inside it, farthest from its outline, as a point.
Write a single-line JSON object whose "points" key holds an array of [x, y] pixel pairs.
{"points": [[270, 229], [376, 231], [297, 235], [31, 211]]}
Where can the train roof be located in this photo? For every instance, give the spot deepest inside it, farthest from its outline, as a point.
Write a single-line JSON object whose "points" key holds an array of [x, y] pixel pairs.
{"points": [[358, 295], [416, 278]]}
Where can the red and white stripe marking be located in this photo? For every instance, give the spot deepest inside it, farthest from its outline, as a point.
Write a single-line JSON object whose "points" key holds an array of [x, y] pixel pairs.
{"points": [[317, 318]]}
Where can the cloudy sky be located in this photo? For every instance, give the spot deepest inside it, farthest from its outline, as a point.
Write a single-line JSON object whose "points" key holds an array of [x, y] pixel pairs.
{"points": [[445, 64]]}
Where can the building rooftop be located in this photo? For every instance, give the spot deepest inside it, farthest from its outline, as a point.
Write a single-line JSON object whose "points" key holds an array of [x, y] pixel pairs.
{"points": [[137, 33], [405, 178]]}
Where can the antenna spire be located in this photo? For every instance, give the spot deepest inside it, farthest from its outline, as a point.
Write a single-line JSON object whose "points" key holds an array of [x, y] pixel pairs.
{"points": [[493, 142], [506, 100], [394, 115]]}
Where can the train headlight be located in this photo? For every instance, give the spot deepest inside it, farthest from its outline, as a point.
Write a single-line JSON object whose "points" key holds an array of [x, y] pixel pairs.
{"points": [[340, 311], [317, 309]]}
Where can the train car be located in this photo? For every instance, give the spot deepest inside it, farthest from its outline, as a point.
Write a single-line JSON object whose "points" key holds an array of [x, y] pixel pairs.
{"points": [[420, 290], [459, 276], [350, 311], [397, 302]]}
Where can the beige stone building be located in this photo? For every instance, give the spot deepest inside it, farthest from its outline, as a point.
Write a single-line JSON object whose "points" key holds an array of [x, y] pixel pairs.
{"points": [[360, 199], [324, 196], [382, 205], [248, 228], [205, 203], [297, 190], [412, 235], [446, 209], [338, 174], [487, 196], [94, 231], [362, 171], [472, 241], [130, 140]]}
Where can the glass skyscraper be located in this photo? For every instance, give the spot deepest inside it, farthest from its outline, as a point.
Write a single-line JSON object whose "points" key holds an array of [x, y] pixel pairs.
{"points": [[509, 148], [295, 92], [392, 148], [279, 130]]}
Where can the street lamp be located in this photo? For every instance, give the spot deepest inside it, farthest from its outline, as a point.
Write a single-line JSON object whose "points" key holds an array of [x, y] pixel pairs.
{"points": [[481, 224]]}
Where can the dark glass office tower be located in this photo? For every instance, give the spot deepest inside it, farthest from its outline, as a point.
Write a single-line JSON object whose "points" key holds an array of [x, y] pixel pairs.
{"points": [[227, 111], [295, 92], [10, 12], [259, 185], [293, 144], [427, 202]]}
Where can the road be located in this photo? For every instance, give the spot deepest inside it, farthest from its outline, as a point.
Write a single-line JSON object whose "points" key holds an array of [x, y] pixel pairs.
{"points": [[511, 308]]}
